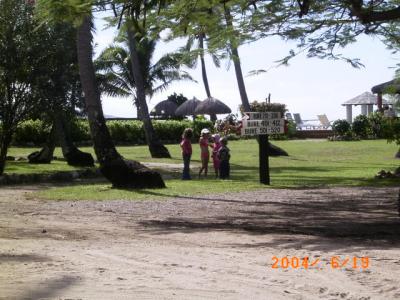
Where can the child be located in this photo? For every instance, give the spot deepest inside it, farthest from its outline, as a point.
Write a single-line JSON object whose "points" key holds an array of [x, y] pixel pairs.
{"points": [[224, 156], [186, 146], [204, 152], [216, 146]]}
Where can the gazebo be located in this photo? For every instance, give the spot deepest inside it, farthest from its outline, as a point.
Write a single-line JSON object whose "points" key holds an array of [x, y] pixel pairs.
{"points": [[212, 106], [164, 108], [188, 107], [365, 100]]}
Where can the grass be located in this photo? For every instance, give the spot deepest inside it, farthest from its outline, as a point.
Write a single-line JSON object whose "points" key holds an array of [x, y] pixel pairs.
{"points": [[311, 163]]}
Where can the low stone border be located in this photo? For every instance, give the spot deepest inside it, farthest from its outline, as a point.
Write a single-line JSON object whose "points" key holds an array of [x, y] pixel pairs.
{"points": [[62, 176]]}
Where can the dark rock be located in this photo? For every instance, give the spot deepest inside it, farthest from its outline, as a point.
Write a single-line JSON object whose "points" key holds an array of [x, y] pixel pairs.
{"points": [[131, 174], [78, 158]]}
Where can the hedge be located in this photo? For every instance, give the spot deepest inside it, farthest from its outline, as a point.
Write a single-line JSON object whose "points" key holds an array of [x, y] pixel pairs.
{"points": [[35, 132]]}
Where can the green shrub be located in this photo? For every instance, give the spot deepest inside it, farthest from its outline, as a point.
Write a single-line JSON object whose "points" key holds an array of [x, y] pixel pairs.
{"points": [[31, 132], [375, 121], [80, 131], [341, 127], [360, 126]]}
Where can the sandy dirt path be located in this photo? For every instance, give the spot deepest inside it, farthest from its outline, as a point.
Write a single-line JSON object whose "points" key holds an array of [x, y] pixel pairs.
{"points": [[208, 247]]}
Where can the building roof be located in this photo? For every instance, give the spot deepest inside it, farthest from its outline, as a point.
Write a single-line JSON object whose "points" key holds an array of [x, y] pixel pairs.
{"points": [[364, 98], [389, 87]]}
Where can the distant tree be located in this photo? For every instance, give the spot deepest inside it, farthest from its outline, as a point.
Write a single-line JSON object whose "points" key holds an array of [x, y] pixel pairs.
{"points": [[116, 78]]}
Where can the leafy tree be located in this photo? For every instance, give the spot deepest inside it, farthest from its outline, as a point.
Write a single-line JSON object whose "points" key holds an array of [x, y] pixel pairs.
{"points": [[20, 56]]}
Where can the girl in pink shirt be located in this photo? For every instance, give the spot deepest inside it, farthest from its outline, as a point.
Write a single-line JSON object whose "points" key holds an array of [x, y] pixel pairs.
{"points": [[205, 153], [216, 146], [186, 147]]}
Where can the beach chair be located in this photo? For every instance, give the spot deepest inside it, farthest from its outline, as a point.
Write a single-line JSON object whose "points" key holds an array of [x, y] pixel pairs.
{"points": [[289, 117], [303, 124], [325, 123]]}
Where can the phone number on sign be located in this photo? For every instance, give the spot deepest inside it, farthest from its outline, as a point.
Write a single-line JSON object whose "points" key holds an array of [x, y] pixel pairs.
{"points": [[334, 262]]}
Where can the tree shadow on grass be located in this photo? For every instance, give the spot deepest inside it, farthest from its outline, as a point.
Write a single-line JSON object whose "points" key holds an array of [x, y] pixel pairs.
{"points": [[308, 216]]}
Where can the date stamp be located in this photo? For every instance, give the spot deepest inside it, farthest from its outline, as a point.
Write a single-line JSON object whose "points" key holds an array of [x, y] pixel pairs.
{"points": [[333, 262]]}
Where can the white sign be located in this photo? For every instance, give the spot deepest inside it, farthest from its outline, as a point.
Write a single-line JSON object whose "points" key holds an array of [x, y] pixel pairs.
{"points": [[263, 123], [262, 115], [262, 130]]}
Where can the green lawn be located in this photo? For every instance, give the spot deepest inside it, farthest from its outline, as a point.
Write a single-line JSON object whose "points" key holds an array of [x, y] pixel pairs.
{"points": [[311, 163]]}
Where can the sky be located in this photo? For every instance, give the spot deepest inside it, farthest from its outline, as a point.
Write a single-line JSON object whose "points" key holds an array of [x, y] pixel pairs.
{"points": [[308, 86]]}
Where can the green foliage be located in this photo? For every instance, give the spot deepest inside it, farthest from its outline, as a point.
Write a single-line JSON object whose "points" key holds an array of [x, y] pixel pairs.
{"points": [[375, 122], [79, 130], [71, 11], [31, 132], [391, 129], [341, 127], [360, 126], [122, 132]]}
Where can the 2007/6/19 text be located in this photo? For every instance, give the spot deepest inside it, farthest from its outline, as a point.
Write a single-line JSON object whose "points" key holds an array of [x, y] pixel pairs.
{"points": [[335, 262]]}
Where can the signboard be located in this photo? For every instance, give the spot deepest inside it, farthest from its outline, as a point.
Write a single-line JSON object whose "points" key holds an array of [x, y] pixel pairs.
{"points": [[262, 115], [263, 126], [262, 130]]}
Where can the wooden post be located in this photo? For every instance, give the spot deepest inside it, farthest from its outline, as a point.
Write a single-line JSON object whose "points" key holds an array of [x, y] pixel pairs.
{"points": [[264, 159]]}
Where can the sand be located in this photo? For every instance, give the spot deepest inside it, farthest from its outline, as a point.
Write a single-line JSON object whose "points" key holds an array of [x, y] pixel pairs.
{"points": [[208, 247]]}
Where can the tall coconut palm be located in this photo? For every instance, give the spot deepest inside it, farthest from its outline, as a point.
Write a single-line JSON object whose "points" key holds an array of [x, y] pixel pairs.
{"points": [[120, 172], [116, 73]]}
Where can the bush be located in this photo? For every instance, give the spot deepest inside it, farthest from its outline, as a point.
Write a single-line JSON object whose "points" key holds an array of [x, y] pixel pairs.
{"points": [[361, 126], [31, 132], [121, 131], [375, 121], [80, 131], [341, 127]]}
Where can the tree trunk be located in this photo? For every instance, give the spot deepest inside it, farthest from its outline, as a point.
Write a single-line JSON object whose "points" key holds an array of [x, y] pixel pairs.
{"points": [[45, 155], [236, 62], [71, 153], [239, 78], [213, 117], [157, 149], [397, 155], [5, 142], [120, 172]]}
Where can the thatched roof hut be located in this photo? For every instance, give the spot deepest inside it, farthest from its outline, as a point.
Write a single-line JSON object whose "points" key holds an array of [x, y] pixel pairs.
{"points": [[188, 107], [212, 106], [389, 87], [164, 108]]}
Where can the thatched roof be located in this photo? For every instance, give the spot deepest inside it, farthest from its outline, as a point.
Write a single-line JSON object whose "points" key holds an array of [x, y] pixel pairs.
{"points": [[188, 107], [211, 106], [165, 108], [364, 98], [389, 87]]}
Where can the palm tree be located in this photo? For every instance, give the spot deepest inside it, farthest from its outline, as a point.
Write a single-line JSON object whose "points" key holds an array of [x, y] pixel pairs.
{"points": [[191, 60], [120, 172], [116, 73]]}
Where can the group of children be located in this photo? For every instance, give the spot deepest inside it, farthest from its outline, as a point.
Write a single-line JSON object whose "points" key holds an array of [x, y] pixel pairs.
{"points": [[220, 153]]}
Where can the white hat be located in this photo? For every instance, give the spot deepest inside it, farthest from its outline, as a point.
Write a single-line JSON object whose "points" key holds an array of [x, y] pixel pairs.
{"points": [[205, 131]]}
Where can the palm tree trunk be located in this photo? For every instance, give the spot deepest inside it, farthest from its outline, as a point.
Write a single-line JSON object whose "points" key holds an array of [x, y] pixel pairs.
{"points": [[45, 155], [120, 172], [240, 80], [71, 153], [213, 117], [157, 149], [236, 62]]}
